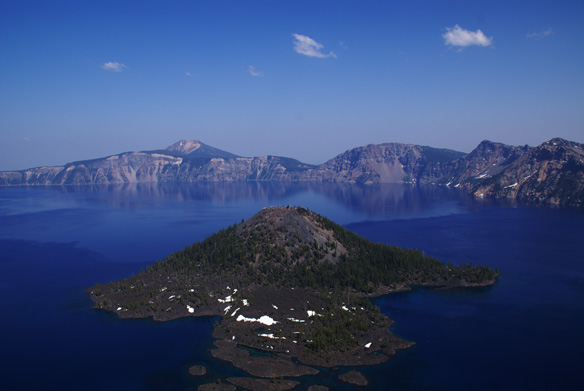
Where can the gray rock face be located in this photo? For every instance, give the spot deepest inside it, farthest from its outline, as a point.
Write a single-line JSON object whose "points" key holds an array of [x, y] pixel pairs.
{"points": [[485, 161], [552, 173], [385, 163], [185, 161], [129, 167]]}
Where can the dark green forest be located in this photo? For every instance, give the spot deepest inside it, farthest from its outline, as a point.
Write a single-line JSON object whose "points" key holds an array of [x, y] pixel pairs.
{"points": [[265, 256], [279, 250]]}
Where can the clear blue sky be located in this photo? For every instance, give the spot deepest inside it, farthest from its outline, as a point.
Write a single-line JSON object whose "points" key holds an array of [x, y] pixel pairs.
{"points": [[308, 80]]}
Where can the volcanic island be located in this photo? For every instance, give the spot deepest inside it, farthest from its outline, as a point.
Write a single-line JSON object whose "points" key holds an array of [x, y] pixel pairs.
{"points": [[290, 284]]}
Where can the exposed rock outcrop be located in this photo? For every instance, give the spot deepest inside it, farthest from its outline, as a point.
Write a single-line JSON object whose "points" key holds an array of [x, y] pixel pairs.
{"points": [[552, 173], [384, 163]]}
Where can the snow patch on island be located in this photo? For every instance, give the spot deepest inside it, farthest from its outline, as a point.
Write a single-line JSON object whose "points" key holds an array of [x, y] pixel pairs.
{"points": [[263, 320], [297, 320], [271, 336]]}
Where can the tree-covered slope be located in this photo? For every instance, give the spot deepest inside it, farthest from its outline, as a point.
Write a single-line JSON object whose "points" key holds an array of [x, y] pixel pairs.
{"points": [[287, 280], [283, 247]]}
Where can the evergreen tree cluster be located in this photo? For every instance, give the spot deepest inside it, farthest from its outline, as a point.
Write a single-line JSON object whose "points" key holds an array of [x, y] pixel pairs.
{"points": [[264, 256], [338, 326]]}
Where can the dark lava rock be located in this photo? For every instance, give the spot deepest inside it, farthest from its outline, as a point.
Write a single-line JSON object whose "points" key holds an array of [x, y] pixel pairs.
{"points": [[197, 370], [216, 387], [278, 332], [263, 384], [354, 377], [266, 366], [317, 388]]}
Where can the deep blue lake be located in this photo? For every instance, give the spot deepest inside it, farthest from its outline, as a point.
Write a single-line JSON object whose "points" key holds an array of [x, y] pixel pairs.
{"points": [[525, 332]]}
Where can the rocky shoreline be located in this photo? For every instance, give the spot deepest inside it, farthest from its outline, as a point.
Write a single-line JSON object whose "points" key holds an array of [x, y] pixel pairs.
{"points": [[273, 366]]}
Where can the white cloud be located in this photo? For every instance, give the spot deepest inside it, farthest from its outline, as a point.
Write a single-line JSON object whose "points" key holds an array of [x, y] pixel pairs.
{"points": [[188, 73], [253, 72], [541, 34], [309, 47], [27, 139], [457, 36], [113, 66]]}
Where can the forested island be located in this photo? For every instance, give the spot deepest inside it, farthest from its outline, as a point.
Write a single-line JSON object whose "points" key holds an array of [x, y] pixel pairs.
{"points": [[289, 282]]}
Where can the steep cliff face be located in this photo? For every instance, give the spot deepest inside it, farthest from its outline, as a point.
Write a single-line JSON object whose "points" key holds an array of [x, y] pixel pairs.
{"points": [[265, 168], [33, 176], [551, 173], [185, 161], [385, 163], [129, 167], [485, 161]]}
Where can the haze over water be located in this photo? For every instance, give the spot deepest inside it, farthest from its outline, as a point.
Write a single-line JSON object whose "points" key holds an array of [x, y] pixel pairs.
{"points": [[522, 333]]}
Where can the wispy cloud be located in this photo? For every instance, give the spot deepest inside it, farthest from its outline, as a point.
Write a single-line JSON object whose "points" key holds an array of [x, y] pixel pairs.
{"points": [[457, 36], [253, 72], [188, 73], [27, 139], [309, 47], [541, 34], [113, 66]]}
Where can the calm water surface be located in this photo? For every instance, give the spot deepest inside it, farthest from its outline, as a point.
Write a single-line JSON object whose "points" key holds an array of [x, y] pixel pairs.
{"points": [[523, 333]]}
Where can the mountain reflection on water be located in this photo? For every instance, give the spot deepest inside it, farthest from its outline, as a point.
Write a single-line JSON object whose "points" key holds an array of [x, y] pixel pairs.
{"points": [[387, 199], [522, 333]]}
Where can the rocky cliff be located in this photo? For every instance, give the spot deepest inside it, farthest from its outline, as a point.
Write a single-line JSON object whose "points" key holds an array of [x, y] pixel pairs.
{"points": [[485, 161], [185, 161], [385, 163], [552, 173]]}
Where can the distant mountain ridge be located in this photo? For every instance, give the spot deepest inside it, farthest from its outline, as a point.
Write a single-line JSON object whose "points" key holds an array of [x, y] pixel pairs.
{"points": [[552, 173]]}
